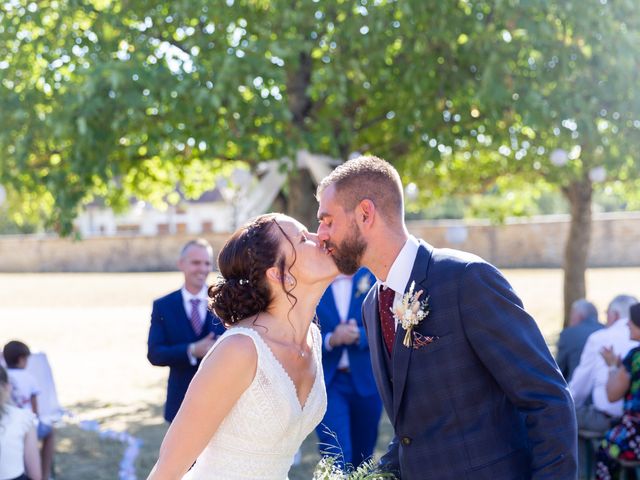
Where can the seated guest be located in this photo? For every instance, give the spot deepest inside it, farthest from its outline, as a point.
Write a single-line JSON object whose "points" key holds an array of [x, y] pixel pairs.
{"points": [[588, 383], [621, 442], [19, 459], [25, 391], [583, 321]]}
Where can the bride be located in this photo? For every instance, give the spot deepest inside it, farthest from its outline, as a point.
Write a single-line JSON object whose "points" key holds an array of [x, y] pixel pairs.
{"points": [[259, 391]]}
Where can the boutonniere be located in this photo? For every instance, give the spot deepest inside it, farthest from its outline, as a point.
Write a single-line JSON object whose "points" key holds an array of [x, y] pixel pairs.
{"points": [[411, 311], [364, 285]]}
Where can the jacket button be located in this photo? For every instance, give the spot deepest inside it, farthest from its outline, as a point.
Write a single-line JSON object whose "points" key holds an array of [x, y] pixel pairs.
{"points": [[406, 441]]}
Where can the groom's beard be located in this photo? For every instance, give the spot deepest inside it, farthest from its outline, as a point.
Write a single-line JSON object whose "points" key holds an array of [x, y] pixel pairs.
{"points": [[348, 255]]}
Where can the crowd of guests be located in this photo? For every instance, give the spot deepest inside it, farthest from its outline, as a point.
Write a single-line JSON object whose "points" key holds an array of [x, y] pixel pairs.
{"points": [[601, 363]]}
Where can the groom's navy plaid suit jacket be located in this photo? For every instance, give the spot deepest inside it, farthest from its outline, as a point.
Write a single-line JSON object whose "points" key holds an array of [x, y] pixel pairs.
{"points": [[483, 401]]}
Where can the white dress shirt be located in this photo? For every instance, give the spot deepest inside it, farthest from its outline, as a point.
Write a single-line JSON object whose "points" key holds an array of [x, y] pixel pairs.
{"points": [[202, 295], [341, 288], [400, 271], [591, 375]]}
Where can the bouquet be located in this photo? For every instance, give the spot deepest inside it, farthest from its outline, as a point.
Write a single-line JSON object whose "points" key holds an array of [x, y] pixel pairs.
{"points": [[329, 469]]}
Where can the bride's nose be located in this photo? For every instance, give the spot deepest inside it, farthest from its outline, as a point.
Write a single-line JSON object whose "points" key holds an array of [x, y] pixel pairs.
{"points": [[314, 238]]}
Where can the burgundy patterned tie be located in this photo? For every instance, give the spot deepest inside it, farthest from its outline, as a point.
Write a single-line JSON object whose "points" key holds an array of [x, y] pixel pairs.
{"points": [[387, 322], [196, 321]]}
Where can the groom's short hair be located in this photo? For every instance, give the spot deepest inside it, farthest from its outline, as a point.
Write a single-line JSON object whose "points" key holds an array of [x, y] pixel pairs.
{"points": [[367, 177]]}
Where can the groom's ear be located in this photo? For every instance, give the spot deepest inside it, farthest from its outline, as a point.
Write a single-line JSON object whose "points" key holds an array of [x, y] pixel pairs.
{"points": [[365, 213]]}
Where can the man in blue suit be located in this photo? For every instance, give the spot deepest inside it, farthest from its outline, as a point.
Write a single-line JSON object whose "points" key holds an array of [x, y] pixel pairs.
{"points": [[465, 376], [182, 328], [349, 429]]}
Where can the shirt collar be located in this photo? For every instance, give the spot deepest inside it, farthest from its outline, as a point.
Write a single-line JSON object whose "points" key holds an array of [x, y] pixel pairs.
{"points": [[400, 271], [342, 277], [201, 295]]}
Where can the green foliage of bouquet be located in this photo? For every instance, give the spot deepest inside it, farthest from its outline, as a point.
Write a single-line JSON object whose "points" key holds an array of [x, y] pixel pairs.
{"points": [[328, 469]]}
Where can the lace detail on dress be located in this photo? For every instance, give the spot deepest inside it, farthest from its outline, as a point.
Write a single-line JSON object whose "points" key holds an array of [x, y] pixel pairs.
{"points": [[261, 434]]}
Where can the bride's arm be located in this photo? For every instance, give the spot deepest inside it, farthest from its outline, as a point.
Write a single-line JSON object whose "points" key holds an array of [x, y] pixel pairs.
{"points": [[219, 383]]}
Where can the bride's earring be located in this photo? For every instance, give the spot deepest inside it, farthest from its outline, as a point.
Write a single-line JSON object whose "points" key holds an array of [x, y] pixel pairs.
{"points": [[289, 280]]}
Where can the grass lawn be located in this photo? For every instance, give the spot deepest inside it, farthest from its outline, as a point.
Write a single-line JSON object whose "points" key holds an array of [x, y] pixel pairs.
{"points": [[93, 328]]}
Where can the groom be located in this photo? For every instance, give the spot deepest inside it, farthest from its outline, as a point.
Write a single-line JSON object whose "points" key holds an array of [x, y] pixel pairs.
{"points": [[476, 393]]}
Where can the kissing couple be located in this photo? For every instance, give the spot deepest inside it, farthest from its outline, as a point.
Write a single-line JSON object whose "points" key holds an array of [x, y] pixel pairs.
{"points": [[465, 376]]}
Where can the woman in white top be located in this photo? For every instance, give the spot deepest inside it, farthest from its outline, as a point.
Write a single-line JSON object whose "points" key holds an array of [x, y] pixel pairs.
{"points": [[18, 440], [259, 391]]}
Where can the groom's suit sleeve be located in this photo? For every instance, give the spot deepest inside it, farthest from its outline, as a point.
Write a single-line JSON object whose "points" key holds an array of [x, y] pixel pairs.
{"points": [[511, 347]]}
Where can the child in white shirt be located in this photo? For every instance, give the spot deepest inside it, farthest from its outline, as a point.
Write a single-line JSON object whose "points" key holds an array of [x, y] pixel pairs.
{"points": [[24, 394]]}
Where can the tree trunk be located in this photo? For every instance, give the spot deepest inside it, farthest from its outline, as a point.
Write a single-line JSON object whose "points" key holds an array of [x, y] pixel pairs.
{"points": [[301, 203], [579, 195]]}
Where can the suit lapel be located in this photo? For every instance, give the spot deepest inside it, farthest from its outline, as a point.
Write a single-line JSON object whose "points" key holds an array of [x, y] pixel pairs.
{"points": [[355, 302], [402, 354], [377, 348]]}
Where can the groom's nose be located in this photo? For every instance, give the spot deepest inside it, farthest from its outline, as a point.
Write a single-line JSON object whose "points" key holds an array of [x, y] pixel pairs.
{"points": [[323, 233]]}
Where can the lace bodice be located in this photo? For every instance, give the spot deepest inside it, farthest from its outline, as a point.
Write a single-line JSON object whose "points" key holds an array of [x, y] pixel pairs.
{"points": [[261, 434]]}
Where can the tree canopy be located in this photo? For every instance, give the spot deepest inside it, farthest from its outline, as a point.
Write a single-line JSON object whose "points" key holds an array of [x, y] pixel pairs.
{"points": [[114, 98]]}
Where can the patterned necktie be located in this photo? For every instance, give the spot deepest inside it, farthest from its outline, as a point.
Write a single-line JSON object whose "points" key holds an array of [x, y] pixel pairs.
{"points": [[196, 321], [387, 322]]}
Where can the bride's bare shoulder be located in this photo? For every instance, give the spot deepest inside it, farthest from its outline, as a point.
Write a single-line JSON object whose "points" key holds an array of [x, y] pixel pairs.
{"points": [[238, 350]]}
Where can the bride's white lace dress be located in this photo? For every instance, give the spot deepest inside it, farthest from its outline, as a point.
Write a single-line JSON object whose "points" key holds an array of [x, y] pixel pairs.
{"points": [[261, 434]]}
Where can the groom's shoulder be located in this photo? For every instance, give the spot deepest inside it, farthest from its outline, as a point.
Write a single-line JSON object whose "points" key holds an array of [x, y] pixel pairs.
{"points": [[451, 256]]}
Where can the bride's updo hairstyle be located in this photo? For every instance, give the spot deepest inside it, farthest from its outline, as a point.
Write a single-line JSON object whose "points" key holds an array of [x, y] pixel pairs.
{"points": [[243, 290]]}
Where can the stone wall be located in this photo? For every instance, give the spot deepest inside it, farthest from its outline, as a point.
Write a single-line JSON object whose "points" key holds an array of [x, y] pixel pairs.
{"points": [[538, 242], [32, 253], [532, 243]]}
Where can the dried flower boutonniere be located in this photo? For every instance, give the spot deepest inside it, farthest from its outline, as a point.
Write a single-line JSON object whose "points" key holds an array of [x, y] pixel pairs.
{"points": [[363, 286], [411, 311]]}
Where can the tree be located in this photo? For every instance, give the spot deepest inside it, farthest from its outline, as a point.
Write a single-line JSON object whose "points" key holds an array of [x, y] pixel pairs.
{"points": [[559, 84], [114, 98]]}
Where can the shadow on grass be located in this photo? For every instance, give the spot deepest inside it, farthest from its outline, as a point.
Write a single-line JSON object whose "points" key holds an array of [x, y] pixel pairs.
{"points": [[85, 454], [82, 454]]}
